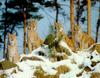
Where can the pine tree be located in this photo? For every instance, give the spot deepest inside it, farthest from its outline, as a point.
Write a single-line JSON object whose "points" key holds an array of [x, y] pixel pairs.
{"points": [[23, 9]]}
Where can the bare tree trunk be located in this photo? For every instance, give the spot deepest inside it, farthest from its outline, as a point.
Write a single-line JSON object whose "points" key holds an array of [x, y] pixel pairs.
{"points": [[5, 32], [78, 12], [57, 10], [12, 29], [72, 17], [98, 25], [89, 17], [24, 45], [4, 52]]}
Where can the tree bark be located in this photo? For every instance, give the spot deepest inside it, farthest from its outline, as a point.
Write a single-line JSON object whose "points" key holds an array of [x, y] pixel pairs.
{"points": [[98, 25], [24, 45], [12, 29], [89, 17], [78, 12], [56, 19], [72, 17], [57, 10], [5, 32]]}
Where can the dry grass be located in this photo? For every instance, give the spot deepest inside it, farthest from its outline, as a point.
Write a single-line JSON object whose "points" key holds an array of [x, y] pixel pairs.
{"points": [[54, 58], [39, 73], [87, 69], [97, 47], [31, 58], [95, 75], [2, 75], [94, 63], [62, 69]]}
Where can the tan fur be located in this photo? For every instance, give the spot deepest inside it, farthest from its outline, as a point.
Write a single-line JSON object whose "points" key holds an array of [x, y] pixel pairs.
{"points": [[60, 32], [34, 40], [12, 49], [82, 39]]}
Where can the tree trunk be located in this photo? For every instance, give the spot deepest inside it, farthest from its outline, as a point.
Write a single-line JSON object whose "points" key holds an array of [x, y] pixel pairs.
{"points": [[78, 12], [72, 17], [4, 52], [24, 45], [5, 32], [12, 29], [98, 25], [89, 17], [57, 10]]}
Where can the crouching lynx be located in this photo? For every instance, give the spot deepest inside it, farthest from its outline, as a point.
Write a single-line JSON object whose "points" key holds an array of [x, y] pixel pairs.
{"points": [[82, 39], [34, 40], [60, 32], [12, 49]]}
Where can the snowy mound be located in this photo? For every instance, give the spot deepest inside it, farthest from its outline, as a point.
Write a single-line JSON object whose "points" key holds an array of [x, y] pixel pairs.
{"points": [[83, 64]]}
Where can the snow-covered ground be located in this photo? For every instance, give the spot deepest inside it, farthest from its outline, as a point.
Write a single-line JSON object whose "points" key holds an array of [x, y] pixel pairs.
{"points": [[76, 63]]}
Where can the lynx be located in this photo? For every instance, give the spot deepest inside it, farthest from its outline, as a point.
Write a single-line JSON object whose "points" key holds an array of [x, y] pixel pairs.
{"points": [[82, 39], [12, 49], [34, 40], [60, 33]]}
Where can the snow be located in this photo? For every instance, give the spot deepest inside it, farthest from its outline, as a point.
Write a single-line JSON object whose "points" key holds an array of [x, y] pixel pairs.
{"points": [[76, 62], [48, 69], [96, 56], [97, 68], [63, 44]]}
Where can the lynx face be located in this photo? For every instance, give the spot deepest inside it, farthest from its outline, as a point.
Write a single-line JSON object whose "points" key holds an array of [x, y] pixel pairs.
{"points": [[32, 25], [58, 26], [12, 39], [59, 30]]}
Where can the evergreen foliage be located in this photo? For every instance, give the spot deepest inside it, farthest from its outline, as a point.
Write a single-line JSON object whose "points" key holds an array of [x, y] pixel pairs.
{"points": [[49, 40]]}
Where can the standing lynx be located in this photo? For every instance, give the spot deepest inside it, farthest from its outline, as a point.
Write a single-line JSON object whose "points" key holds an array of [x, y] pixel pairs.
{"points": [[12, 49], [34, 40], [83, 40]]}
